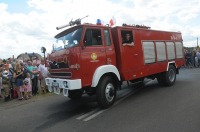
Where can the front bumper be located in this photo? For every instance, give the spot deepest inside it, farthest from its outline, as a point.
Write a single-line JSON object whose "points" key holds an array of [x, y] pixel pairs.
{"points": [[56, 85]]}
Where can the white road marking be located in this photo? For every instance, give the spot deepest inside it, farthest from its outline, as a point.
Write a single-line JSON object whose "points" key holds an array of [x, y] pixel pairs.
{"points": [[121, 96], [87, 114], [90, 115], [94, 115]]}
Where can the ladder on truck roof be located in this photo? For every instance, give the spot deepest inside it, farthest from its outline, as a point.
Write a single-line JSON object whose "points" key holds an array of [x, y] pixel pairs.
{"points": [[136, 26]]}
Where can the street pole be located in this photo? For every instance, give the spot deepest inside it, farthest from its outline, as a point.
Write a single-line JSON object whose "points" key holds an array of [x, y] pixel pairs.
{"points": [[44, 60], [43, 50]]}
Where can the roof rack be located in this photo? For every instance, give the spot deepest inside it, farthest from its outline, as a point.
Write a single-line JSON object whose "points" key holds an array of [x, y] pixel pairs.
{"points": [[136, 26]]}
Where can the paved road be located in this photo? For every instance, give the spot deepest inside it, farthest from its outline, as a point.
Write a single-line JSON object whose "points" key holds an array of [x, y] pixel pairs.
{"points": [[149, 109]]}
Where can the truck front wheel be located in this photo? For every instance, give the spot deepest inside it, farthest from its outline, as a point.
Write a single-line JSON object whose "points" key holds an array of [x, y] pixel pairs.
{"points": [[106, 92]]}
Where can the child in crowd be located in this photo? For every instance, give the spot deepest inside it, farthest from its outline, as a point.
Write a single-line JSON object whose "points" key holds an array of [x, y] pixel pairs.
{"points": [[25, 89], [28, 86]]}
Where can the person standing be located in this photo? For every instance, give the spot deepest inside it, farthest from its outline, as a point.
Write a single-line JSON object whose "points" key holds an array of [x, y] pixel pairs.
{"points": [[33, 73], [11, 72], [6, 82], [18, 75], [198, 57], [43, 72], [1, 80]]}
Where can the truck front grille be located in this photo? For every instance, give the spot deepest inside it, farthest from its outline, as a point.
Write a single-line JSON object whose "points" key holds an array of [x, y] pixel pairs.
{"points": [[58, 65], [61, 74]]}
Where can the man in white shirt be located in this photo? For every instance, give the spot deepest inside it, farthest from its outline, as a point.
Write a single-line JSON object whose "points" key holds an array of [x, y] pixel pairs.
{"points": [[43, 73]]}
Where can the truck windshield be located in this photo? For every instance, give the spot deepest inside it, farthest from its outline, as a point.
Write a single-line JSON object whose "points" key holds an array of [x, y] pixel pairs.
{"points": [[70, 39]]}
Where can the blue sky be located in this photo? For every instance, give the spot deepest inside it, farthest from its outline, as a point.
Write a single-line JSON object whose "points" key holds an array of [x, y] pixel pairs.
{"points": [[17, 6], [26, 25]]}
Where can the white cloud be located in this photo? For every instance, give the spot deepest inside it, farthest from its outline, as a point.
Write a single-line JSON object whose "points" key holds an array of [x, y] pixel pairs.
{"points": [[27, 32]]}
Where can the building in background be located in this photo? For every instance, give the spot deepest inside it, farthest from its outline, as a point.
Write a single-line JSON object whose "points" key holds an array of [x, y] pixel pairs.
{"points": [[29, 56]]}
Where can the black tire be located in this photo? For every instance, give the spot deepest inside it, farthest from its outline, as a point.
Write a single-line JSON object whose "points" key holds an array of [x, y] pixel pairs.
{"points": [[169, 77], [106, 92], [75, 94]]}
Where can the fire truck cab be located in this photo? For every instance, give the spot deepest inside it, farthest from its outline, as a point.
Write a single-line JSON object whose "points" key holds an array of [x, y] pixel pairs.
{"points": [[92, 59]]}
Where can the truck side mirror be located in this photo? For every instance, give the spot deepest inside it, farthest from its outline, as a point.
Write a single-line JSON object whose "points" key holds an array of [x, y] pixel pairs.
{"points": [[75, 42]]}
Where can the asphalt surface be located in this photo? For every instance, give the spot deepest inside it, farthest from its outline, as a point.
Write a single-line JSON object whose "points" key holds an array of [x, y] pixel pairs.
{"points": [[152, 108]]}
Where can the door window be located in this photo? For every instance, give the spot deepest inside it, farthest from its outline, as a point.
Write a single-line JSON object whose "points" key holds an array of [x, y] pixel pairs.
{"points": [[127, 36], [92, 37], [107, 37]]}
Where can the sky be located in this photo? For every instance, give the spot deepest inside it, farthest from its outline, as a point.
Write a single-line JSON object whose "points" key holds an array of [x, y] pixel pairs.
{"points": [[27, 25]]}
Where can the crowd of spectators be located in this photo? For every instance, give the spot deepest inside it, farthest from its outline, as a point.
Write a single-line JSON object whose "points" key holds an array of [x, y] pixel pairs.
{"points": [[22, 79], [192, 58]]}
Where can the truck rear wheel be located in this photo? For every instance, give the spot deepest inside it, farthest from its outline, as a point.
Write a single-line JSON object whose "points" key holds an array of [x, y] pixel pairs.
{"points": [[106, 92], [167, 78], [75, 94]]}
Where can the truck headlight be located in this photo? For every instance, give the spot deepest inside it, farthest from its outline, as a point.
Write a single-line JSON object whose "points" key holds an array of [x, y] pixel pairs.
{"points": [[65, 84]]}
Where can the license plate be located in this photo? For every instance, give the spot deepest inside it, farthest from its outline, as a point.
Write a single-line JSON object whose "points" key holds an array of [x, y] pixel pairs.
{"points": [[55, 84]]}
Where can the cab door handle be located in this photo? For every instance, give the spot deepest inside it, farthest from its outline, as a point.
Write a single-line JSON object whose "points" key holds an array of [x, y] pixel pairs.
{"points": [[102, 50], [109, 49]]}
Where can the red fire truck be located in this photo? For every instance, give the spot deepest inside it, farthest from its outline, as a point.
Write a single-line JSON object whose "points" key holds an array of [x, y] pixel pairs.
{"points": [[92, 59]]}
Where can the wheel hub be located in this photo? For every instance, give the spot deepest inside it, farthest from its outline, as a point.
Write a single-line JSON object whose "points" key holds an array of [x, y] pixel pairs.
{"points": [[109, 92], [171, 75]]}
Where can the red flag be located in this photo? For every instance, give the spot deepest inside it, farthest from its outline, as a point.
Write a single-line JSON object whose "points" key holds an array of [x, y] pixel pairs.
{"points": [[112, 21]]}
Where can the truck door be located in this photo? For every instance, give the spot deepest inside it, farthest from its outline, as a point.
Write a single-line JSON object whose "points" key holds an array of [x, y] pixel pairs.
{"points": [[92, 54], [130, 55]]}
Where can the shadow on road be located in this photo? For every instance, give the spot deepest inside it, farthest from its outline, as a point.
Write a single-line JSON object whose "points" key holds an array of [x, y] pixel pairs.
{"points": [[67, 109]]}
